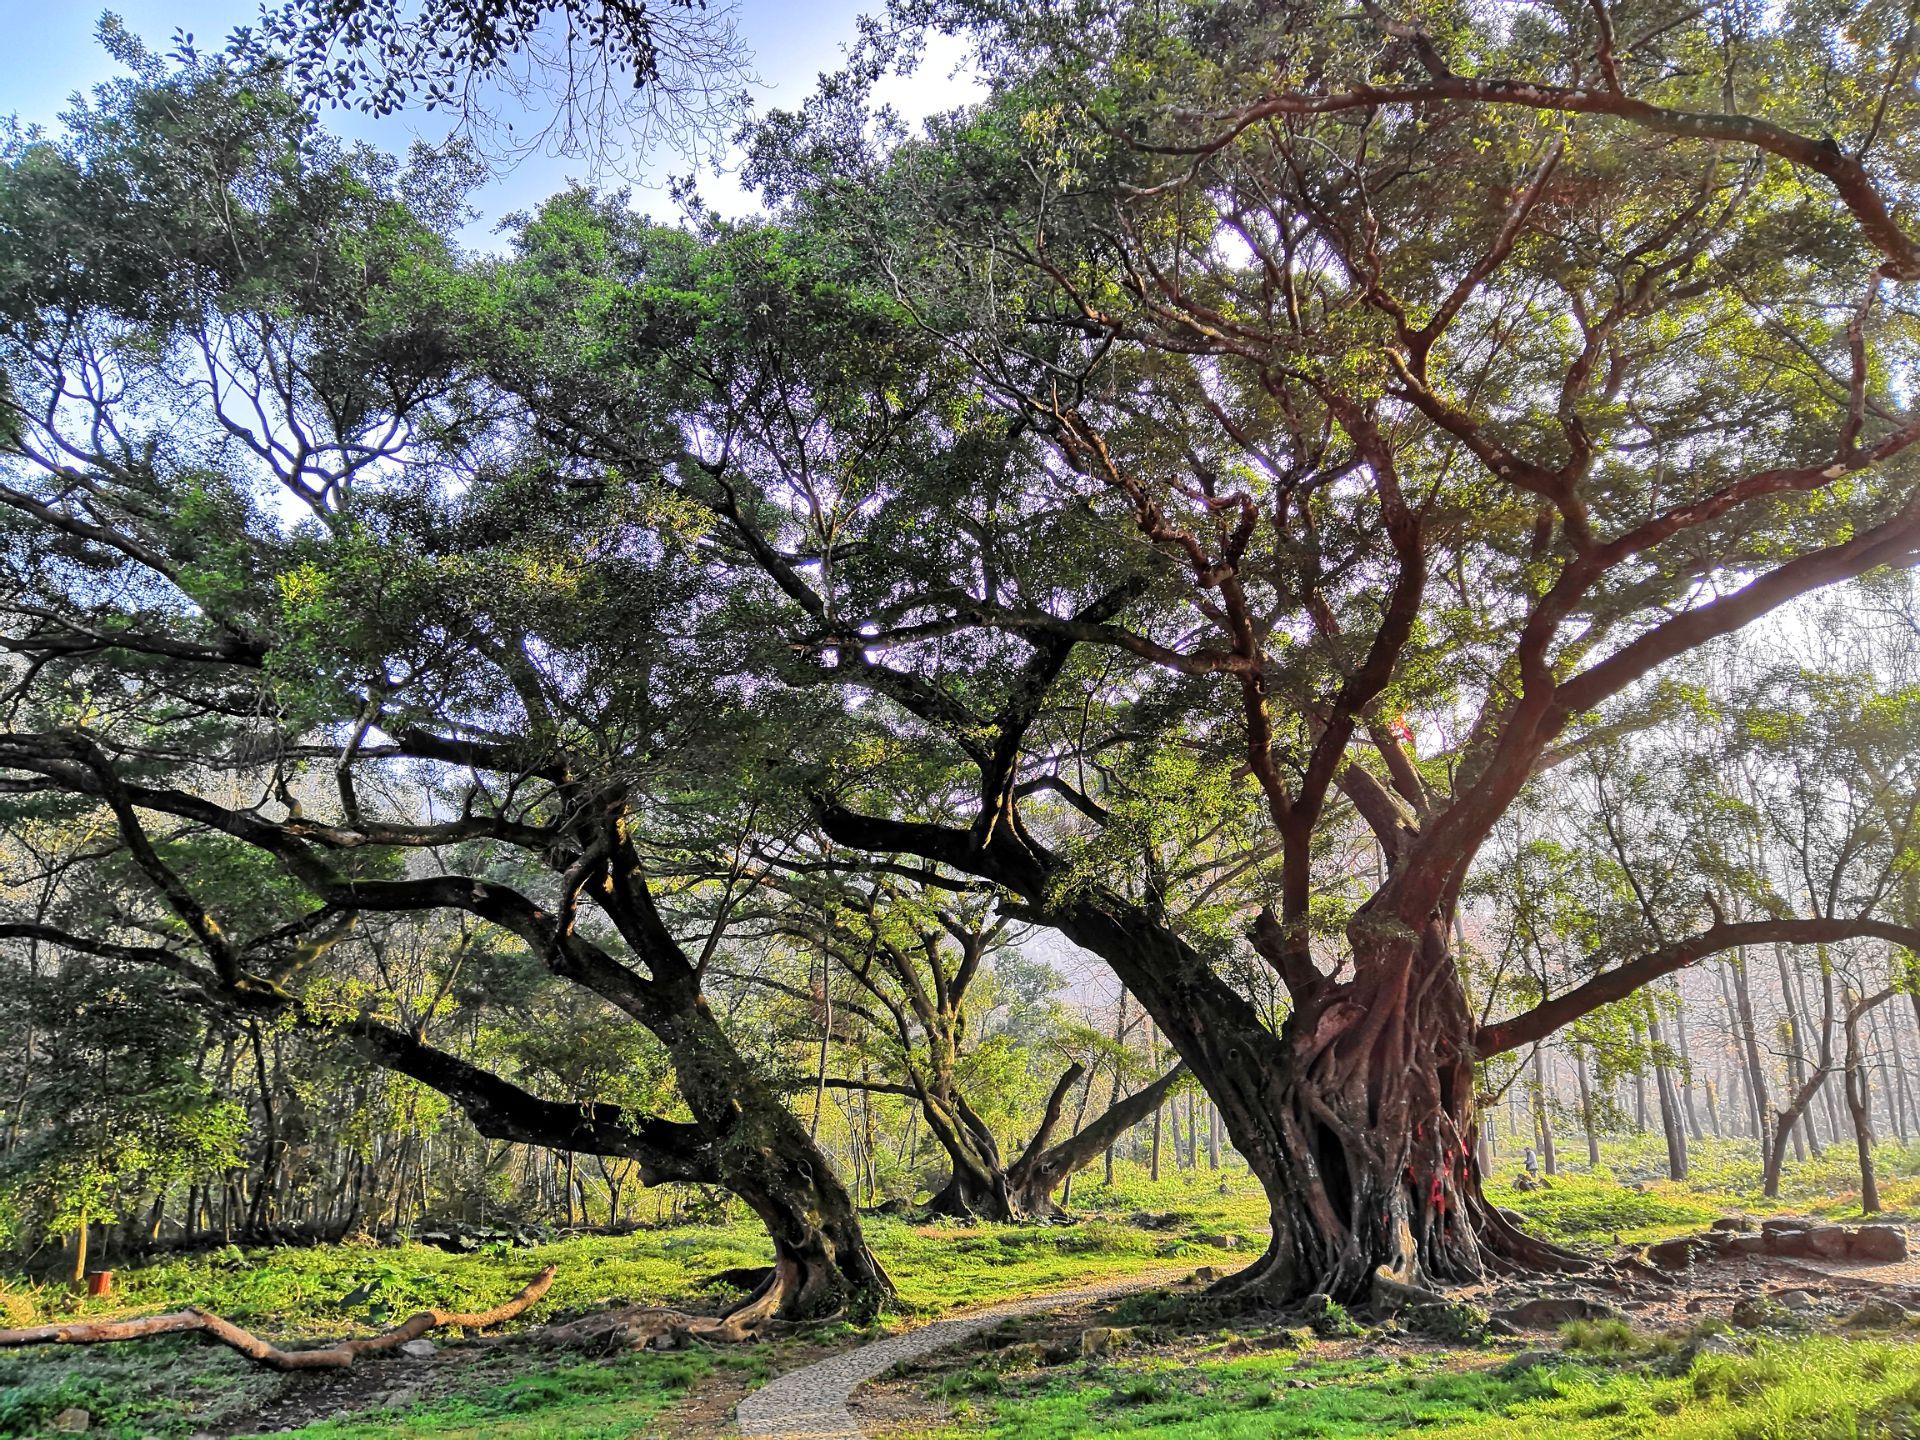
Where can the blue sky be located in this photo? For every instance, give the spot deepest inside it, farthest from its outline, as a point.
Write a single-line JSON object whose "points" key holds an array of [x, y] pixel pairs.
{"points": [[50, 52]]}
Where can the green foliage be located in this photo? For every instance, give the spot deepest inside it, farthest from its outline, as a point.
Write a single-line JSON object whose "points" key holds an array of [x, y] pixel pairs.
{"points": [[116, 1109], [1599, 1337]]}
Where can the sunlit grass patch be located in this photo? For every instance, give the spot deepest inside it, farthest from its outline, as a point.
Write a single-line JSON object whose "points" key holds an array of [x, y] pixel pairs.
{"points": [[1817, 1389]]}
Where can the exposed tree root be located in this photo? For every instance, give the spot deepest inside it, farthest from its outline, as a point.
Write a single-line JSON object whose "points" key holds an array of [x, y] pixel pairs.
{"points": [[330, 1357]]}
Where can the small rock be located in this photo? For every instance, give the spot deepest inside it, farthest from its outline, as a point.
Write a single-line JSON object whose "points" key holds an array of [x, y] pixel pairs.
{"points": [[73, 1421], [1207, 1274], [419, 1349], [1736, 1224], [1877, 1313], [1747, 1245], [1544, 1312], [1886, 1243], [1153, 1220], [1717, 1344], [1218, 1242], [1757, 1312], [1101, 1340], [1676, 1254], [1527, 1360], [1795, 1299]]}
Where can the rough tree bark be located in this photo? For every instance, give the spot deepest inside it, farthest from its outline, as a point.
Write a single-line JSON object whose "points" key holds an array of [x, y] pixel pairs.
{"points": [[338, 1356]]}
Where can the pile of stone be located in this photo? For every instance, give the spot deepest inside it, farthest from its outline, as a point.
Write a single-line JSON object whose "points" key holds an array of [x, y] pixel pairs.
{"points": [[1786, 1236]]}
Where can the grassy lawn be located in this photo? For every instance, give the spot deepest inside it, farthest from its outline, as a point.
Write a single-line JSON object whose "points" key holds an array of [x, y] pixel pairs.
{"points": [[173, 1387], [1800, 1389]]}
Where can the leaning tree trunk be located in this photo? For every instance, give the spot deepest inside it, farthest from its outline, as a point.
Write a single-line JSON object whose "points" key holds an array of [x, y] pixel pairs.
{"points": [[1042, 1168], [977, 1186], [1023, 1190], [821, 1263]]}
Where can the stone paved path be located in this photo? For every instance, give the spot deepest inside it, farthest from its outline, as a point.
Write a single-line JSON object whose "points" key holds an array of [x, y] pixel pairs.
{"points": [[811, 1403]]}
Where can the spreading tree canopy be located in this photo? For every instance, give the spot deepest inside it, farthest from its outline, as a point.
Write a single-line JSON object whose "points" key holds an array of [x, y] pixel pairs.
{"points": [[1197, 494]]}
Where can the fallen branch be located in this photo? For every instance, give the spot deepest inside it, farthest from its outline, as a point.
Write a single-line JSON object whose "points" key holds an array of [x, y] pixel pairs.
{"points": [[331, 1357]]}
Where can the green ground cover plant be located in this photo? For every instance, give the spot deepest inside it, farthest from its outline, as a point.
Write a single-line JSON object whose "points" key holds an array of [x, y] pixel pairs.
{"points": [[1805, 1389]]}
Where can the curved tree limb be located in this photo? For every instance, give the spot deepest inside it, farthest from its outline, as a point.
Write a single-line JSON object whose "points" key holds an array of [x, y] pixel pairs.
{"points": [[666, 1150], [1623, 980], [330, 1357]]}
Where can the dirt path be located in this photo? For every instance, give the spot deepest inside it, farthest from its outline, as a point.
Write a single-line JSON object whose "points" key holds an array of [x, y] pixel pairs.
{"points": [[811, 1403]]}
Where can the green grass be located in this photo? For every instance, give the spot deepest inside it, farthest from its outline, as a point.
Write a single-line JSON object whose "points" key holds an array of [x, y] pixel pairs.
{"points": [[296, 1293], [173, 1387], [1813, 1389], [608, 1400], [1595, 1209]]}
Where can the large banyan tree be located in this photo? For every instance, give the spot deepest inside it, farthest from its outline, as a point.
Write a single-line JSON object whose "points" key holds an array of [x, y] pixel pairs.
{"points": [[1435, 376], [302, 642], [1372, 397]]}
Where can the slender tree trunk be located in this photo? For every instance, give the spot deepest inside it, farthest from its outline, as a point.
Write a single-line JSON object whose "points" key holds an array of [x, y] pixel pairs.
{"points": [[1797, 1103], [1586, 1107], [1542, 1117], [1756, 1068], [1684, 1079], [1890, 1086], [1113, 1096], [1796, 1048], [1671, 1125], [1859, 1105]]}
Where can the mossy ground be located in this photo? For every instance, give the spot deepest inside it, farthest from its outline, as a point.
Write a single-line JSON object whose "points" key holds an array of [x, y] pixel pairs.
{"points": [[1801, 1389], [174, 1387], [177, 1387]]}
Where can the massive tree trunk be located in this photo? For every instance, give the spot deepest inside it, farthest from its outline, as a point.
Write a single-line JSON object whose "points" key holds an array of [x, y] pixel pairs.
{"points": [[763, 1154], [1356, 1117], [977, 1185], [741, 1137]]}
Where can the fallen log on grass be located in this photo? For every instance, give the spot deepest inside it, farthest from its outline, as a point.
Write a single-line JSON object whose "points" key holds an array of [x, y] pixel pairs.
{"points": [[329, 1357]]}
